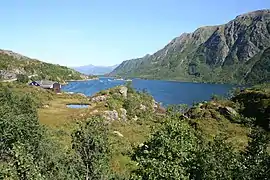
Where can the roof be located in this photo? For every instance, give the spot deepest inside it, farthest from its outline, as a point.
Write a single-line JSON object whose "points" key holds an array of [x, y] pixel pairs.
{"points": [[46, 83]]}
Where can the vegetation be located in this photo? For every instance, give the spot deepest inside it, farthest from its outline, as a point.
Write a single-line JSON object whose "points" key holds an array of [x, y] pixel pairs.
{"points": [[211, 54], [211, 140], [22, 78], [22, 67]]}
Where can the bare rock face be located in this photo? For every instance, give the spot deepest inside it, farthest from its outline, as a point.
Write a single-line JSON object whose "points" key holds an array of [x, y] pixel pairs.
{"points": [[111, 115], [123, 114], [99, 98], [123, 91]]}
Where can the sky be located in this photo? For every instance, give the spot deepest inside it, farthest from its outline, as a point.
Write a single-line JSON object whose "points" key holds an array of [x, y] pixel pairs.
{"points": [[107, 32]]}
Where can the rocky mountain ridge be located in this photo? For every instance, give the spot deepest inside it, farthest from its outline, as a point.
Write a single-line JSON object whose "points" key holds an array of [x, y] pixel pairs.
{"points": [[224, 53]]}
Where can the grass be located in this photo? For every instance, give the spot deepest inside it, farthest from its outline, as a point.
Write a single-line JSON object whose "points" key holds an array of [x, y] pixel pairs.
{"points": [[61, 121]]}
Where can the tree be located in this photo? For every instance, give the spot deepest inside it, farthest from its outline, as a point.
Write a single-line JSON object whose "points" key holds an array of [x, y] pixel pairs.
{"points": [[168, 154], [27, 151], [20, 135], [255, 160], [22, 78], [214, 160], [90, 141]]}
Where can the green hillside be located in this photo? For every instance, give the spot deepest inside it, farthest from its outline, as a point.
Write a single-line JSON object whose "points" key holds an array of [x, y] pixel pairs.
{"points": [[12, 64], [231, 53]]}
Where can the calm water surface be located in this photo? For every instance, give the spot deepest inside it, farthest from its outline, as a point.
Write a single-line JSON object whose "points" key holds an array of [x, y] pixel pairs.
{"points": [[166, 92], [77, 106]]}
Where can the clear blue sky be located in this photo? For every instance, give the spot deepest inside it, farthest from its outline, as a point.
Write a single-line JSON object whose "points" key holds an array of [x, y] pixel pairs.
{"points": [[106, 32]]}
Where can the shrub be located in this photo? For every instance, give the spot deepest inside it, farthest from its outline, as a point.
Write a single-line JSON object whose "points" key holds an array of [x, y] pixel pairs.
{"points": [[22, 78], [90, 141]]}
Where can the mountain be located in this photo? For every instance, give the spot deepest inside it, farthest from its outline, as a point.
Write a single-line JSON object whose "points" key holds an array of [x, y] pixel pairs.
{"points": [[236, 52], [96, 70], [12, 64]]}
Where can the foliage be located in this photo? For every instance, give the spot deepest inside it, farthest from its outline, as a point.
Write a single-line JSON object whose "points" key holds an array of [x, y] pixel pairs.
{"points": [[178, 152], [177, 109], [138, 104], [255, 104], [255, 160], [22, 78], [43, 70], [176, 149], [29, 151], [168, 154], [214, 160], [90, 141]]}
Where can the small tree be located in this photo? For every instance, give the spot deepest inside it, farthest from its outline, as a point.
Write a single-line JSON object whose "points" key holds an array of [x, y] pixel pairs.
{"points": [[90, 141], [168, 154], [255, 161], [22, 78]]}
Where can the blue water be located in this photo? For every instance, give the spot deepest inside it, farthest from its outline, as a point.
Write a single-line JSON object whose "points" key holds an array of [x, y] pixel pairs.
{"points": [[77, 106], [166, 92]]}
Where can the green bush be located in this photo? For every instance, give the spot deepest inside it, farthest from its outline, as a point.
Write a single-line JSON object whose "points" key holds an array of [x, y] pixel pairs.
{"points": [[22, 78], [90, 141], [177, 151]]}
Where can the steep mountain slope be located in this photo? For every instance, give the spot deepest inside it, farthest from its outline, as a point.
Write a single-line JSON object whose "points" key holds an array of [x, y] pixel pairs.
{"points": [[12, 64], [95, 70], [228, 53]]}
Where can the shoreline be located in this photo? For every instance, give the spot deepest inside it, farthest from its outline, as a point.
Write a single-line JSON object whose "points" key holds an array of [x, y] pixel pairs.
{"points": [[82, 80]]}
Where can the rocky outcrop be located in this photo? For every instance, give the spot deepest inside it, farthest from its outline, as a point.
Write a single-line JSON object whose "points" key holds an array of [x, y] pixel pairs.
{"points": [[111, 115], [123, 91], [224, 53], [123, 114], [118, 133], [81, 94], [13, 54], [142, 107], [99, 98], [228, 112]]}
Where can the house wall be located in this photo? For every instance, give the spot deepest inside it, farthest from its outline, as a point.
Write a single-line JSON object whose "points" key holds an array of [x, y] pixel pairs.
{"points": [[57, 87]]}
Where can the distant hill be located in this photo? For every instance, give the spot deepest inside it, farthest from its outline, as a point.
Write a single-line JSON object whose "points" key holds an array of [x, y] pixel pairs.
{"points": [[12, 64], [236, 52], [95, 70]]}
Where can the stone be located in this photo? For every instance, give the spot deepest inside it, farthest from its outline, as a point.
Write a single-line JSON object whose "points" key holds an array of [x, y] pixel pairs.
{"points": [[123, 91], [123, 114], [228, 112], [135, 118], [143, 145], [46, 106], [200, 105], [99, 98], [142, 107], [111, 115], [118, 133], [81, 94], [95, 111]]}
